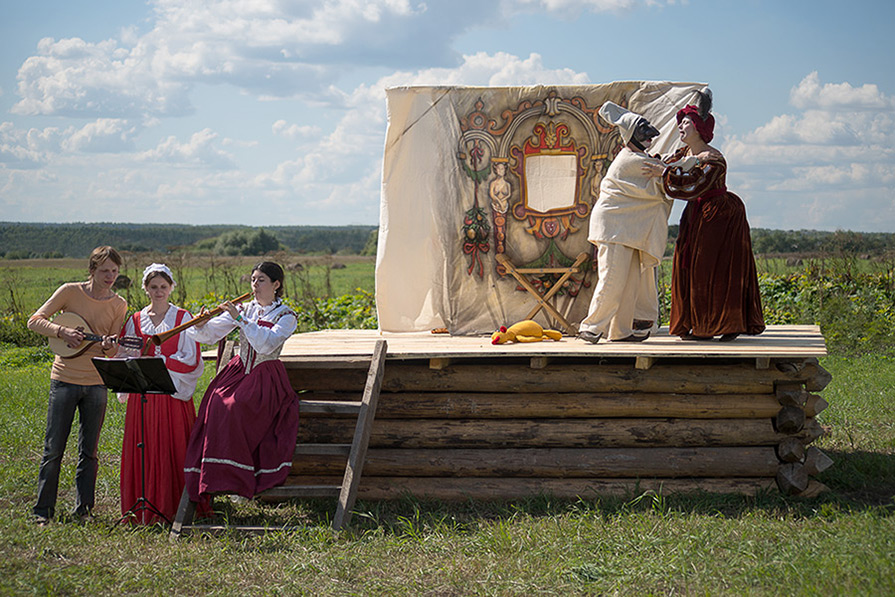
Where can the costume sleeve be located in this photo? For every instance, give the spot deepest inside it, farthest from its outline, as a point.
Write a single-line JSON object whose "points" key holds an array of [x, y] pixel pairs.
{"points": [[692, 183], [266, 340], [213, 330], [40, 321]]}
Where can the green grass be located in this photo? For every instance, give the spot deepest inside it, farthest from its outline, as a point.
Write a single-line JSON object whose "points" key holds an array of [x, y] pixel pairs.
{"points": [[842, 543], [25, 285]]}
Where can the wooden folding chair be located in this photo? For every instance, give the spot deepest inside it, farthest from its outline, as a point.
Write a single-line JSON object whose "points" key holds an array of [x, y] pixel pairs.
{"points": [[544, 299]]}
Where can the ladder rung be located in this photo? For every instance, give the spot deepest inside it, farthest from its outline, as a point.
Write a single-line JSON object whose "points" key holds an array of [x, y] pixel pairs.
{"points": [[329, 406], [322, 449], [303, 491]]}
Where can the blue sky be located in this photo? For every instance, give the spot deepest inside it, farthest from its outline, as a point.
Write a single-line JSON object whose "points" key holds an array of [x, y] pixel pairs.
{"points": [[272, 112]]}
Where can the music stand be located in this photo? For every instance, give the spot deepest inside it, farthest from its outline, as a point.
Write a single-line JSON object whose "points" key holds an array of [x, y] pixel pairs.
{"points": [[137, 375]]}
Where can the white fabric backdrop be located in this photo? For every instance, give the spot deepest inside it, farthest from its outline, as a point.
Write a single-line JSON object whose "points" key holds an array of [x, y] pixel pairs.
{"points": [[423, 277]]}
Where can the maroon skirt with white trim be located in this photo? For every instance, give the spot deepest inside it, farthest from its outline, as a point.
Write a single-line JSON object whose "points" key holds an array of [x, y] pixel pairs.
{"points": [[245, 432]]}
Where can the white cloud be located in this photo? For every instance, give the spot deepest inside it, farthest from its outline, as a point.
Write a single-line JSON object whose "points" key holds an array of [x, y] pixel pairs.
{"points": [[839, 146], [574, 7], [837, 96], [268, 47], [282, 128], [200, 150], [345, 166], [103, 135]]}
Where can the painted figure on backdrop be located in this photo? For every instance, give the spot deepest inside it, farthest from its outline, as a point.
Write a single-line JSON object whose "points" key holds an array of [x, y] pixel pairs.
{"points": [[714, 289], [75, 384], [167, 420], [499, 189], [629, 226], [247, 425]]}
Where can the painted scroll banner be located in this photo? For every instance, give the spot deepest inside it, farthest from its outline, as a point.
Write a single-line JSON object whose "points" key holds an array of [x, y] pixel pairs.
{"points": [[471, 172]]}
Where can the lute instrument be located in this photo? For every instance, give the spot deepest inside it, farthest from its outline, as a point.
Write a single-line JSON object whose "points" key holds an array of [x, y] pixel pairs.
{"points": [[70, 319]]}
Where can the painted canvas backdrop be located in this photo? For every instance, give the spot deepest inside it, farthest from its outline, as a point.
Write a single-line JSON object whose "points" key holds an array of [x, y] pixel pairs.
{"points": [[470, 172]]}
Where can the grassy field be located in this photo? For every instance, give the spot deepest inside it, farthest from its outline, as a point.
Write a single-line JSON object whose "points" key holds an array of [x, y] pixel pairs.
{"points": [[26, 284], [842, 543]]}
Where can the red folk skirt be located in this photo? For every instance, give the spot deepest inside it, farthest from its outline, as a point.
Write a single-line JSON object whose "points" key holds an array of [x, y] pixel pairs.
{"points": [[168, 422]]}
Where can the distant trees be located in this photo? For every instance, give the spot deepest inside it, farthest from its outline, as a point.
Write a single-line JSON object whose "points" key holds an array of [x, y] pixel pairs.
{"points": [[246, 242], [33, 241], [27, 241]]}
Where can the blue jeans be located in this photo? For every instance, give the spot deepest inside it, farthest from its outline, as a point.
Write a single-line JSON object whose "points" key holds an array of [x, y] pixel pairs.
{"points": [[65, 399]]}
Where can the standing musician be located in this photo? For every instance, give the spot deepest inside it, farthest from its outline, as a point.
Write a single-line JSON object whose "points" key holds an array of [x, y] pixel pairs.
{"points": [[75, 383], [168, 419]]}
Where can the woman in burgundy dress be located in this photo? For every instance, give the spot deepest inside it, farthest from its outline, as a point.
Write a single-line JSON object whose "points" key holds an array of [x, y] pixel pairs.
{"points": [[714, 288], [247, 426]]}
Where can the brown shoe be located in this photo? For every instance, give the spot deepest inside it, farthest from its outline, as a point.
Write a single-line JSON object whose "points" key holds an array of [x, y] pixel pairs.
{"points": [[692, 338], [643, 324], [633, 338]]}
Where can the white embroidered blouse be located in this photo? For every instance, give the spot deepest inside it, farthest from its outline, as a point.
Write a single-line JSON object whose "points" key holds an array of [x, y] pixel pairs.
{"points": [[262, 331]]}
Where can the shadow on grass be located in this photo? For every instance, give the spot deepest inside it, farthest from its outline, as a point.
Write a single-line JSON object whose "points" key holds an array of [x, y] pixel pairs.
{"points": [[857, 481]]}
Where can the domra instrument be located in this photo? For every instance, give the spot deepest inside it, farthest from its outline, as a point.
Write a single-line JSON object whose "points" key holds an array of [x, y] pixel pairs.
{"points": [[70, 319]]}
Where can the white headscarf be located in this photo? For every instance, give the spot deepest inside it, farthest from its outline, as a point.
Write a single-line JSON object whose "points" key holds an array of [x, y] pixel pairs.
{"points": [[158, 267], [624, 119]]}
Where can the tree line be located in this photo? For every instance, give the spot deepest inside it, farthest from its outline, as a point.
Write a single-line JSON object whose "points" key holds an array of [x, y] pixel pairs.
{"points": [[26, 240]]}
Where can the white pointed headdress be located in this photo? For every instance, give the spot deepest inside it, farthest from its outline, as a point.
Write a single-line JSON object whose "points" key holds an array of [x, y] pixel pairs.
{"points": [[624, 119]]}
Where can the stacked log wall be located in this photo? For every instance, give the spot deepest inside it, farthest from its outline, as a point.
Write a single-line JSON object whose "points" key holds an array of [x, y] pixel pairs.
{"points": [[501, 428]]}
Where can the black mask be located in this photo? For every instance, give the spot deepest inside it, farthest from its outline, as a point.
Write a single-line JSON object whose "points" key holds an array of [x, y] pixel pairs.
{"points": [[643, 131]]}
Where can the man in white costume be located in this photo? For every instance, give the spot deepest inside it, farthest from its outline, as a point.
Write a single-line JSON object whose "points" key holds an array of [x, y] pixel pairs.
{"points": [[629, 226]]}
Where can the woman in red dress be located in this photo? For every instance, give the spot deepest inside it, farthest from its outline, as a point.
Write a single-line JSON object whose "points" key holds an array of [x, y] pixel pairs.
{"points": [[168, 419], [714, 287]]}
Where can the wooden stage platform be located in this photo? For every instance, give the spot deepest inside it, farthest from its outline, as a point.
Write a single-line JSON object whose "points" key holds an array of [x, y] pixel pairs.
{"points": [[349, 346], [460, 418]]}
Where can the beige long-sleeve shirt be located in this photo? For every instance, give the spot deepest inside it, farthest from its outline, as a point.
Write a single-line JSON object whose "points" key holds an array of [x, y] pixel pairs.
{"points": [[105, 317]]}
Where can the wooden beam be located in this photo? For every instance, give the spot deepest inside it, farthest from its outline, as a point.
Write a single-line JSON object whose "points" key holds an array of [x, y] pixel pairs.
{"points": [[666, 376], [814, 405], [477, 488], [644, 362], [569, 433], [792, 478], [439, 363], [531, 405], [724, 461]]}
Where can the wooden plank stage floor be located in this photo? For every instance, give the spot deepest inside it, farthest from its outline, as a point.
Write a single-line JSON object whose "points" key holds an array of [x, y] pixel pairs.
{"points": [[350, 346]]}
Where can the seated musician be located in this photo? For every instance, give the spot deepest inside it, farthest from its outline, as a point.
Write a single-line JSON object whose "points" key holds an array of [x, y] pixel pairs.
{"points": [[75, 384], [247, 425]]}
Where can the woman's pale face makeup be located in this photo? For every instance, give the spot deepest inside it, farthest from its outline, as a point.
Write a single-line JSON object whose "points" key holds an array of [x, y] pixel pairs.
{"points": [[158, 289], [264, 290], [688, 130]]}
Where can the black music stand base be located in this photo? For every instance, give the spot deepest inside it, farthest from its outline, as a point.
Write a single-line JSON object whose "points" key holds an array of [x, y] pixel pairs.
{"points": [[142, 504], [140, 375]]}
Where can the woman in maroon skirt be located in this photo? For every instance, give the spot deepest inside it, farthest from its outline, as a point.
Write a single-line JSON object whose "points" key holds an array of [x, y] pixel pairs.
{"points": [[245, 432], [714, 287], [167, 420]]}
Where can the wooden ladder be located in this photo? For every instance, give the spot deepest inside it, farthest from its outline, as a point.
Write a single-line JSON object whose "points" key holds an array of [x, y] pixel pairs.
{"points": [[356, 452]]}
